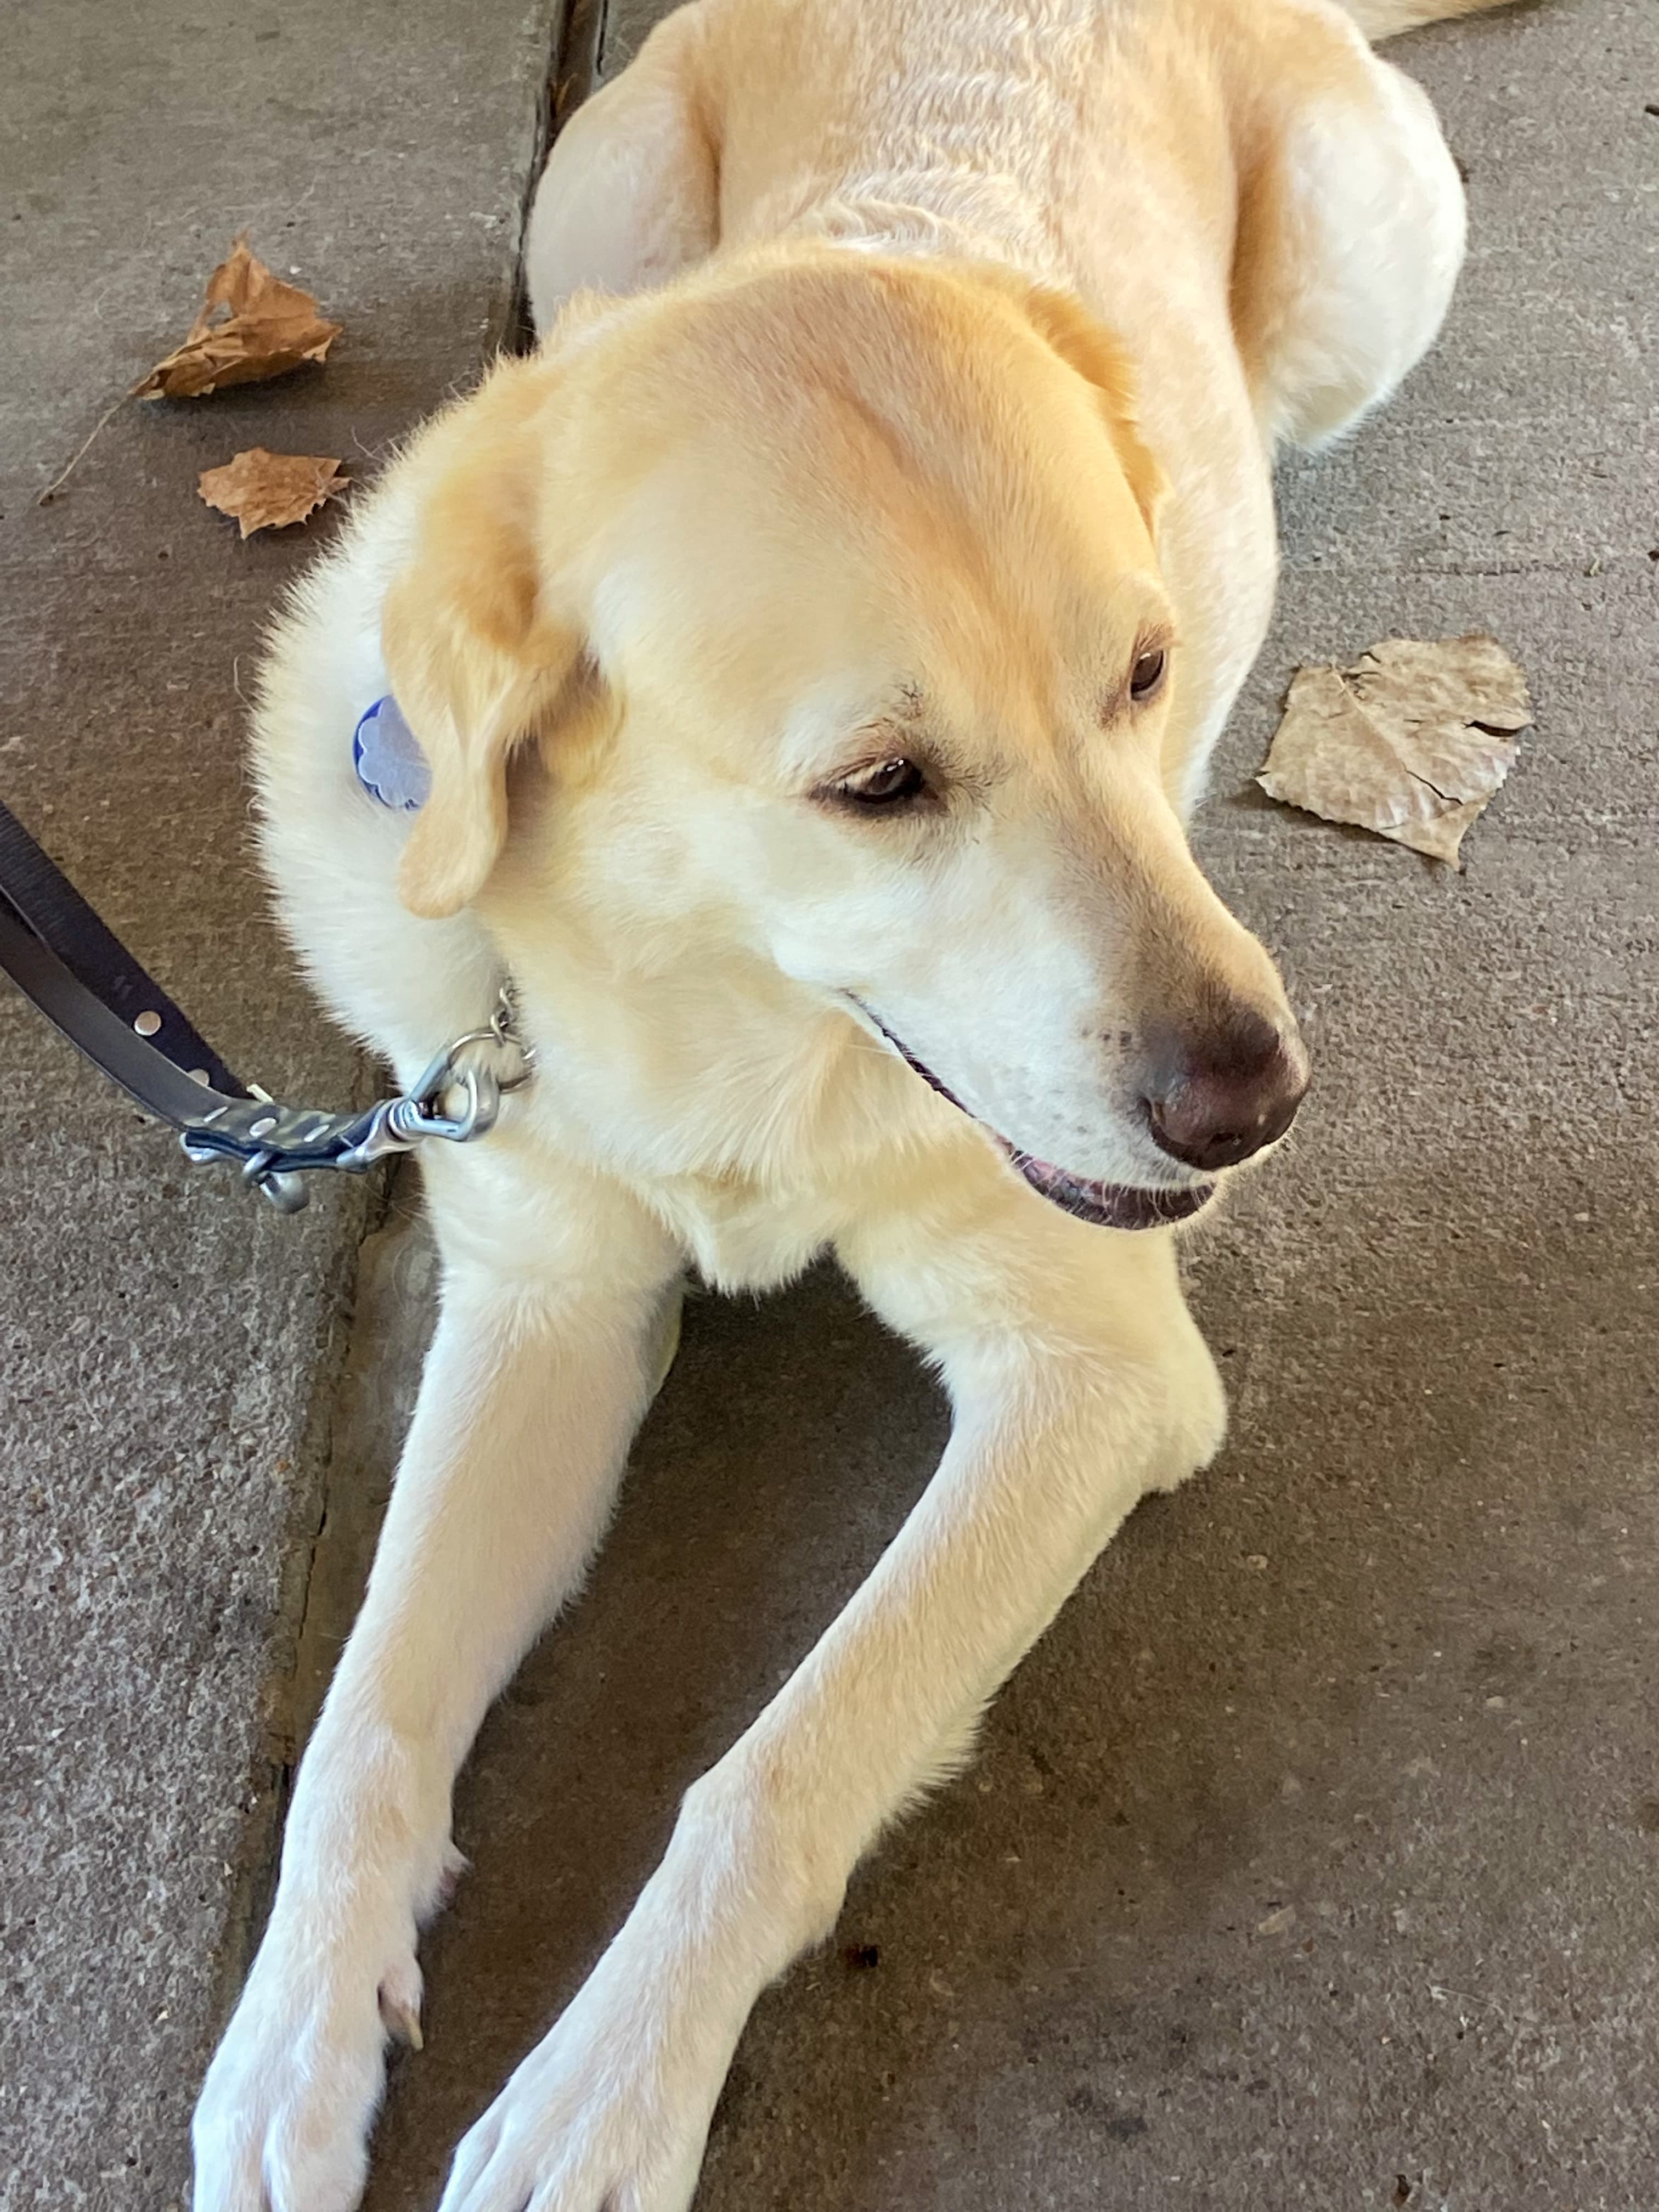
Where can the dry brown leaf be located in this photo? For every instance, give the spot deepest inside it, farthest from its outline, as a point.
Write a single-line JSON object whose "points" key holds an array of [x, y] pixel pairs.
{"points": [[267, 492], [1412, 741], [268, 328]]}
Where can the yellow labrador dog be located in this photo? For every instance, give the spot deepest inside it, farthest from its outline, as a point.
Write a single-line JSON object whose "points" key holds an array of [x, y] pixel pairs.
{"points": [[807, 661]]}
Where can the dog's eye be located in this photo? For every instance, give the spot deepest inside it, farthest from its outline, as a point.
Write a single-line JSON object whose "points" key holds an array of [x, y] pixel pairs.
{"points": [[887, 783], [1146, 677]]}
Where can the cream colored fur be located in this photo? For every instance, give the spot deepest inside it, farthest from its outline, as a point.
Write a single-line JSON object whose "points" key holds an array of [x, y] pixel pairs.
{"points": [[911, 378]]}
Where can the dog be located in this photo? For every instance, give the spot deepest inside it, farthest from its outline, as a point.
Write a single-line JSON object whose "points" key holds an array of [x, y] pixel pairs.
{"points": [[810, 655]]}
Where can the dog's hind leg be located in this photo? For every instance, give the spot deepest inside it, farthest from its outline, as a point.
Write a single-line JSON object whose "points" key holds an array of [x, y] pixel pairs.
{"points": [[1350, 239], [1078, 1381], [528, 1398], [627, 198]]}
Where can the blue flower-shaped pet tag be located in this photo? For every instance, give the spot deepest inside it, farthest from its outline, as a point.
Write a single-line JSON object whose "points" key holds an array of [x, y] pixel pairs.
{"points": [[391, 766]]}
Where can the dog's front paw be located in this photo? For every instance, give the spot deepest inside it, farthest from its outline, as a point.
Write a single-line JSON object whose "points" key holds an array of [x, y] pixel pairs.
{"points": [[610, 2112], [283, 2121]]}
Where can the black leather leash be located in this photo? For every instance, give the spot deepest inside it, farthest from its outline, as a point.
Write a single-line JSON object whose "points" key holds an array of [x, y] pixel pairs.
{"points": [[61, 955]]}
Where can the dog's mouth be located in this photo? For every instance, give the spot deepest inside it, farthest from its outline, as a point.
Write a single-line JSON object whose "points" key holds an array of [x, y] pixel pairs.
{"points": [[1110, 1205], [1103, 1205]]}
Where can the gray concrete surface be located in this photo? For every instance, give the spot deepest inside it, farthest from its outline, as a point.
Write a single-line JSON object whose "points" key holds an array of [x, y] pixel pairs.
{"points": [[1311, 1859], [168, 1349]]}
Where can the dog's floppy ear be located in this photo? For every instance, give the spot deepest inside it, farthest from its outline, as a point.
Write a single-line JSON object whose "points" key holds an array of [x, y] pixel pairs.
{"points": [[1096, 355], [477, 657]]}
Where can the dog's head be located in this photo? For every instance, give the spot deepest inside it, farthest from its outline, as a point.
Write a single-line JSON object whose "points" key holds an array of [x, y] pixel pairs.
{"points": [[826, 588]]}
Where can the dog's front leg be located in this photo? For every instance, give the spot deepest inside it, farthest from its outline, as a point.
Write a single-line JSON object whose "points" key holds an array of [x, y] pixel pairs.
{"points": [[1081, 1386], [528, 1401]]}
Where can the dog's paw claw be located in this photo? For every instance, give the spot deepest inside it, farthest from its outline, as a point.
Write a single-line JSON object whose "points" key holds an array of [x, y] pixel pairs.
{"points": [[400, 2007], [455, 1864]]}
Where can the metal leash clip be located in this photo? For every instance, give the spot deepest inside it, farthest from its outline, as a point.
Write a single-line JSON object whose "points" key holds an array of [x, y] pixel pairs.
{"points": [[64, 959], [274, 1145], [397, 1125]]}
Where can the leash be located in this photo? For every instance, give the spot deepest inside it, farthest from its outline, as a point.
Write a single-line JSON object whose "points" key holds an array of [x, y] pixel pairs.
{"points": [[64, 959]]}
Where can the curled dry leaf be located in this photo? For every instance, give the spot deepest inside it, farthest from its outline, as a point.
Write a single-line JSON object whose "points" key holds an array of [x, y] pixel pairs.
{"points": [[1410, 742], [252, 325], [267, 492]]}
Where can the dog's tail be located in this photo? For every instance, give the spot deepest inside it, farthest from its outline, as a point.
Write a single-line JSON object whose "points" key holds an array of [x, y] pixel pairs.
{"points": [[1382, 19]]}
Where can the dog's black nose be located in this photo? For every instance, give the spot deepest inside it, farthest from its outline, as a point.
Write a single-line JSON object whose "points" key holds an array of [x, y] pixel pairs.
{"points": [[1220, 1094]]}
